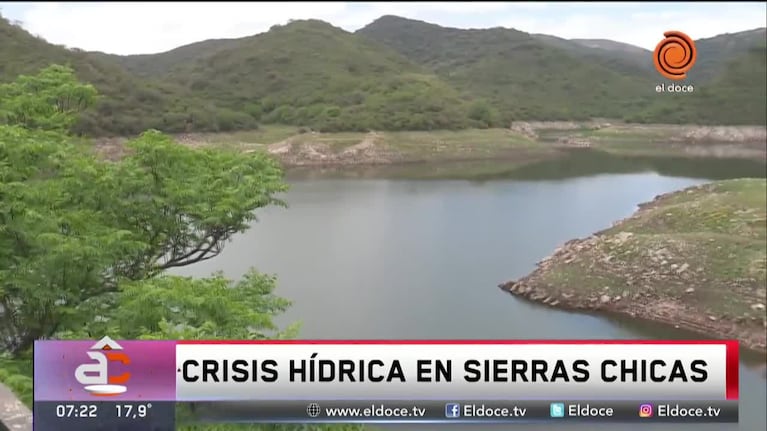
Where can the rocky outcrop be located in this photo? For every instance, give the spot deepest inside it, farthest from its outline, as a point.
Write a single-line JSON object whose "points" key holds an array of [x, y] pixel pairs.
{"points": [[657, 277], [726, 134], [524, 129], [317, 149], [310, 150], [574, 142], [636, 298]]}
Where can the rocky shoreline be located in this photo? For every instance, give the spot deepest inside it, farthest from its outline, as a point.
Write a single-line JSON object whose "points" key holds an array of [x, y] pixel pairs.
{"points": [[374, 148], [661, 287], [309, 148], [636, 306]]}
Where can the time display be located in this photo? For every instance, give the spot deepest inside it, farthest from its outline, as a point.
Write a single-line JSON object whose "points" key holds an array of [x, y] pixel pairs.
{"points": [[77, 410], [71, 415]]}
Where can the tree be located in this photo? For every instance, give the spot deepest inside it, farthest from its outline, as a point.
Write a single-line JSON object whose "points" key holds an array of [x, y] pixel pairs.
{"points": [[48, 101], [74, 227], [183, 308], [84, 243], [482, 112]]}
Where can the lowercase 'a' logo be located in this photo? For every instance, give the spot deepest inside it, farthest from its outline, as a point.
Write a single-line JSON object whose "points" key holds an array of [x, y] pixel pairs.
{"points": [[95, 375]]}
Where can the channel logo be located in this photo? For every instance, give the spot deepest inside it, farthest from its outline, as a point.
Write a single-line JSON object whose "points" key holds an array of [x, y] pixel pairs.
{"points": [[675, 55], [645, 411], [94, 376], [557, 410], [452, 410]]}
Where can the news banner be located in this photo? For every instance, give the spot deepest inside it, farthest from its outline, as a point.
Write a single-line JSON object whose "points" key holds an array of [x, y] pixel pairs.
{"points": [[156, 385]]}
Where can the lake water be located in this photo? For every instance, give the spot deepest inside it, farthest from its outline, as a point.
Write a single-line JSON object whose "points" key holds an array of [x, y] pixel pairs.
{"points": [[398, 258]]}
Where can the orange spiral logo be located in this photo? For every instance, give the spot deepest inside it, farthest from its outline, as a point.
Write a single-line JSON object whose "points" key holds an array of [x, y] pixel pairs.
{"points": [[675, 55]]}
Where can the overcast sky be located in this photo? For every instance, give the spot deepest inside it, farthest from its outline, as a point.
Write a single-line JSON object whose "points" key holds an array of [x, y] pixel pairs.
{"points": [[142, 28]]}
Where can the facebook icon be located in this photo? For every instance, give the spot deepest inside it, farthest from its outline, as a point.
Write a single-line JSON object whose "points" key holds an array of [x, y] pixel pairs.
{"points": [[452, 410]]}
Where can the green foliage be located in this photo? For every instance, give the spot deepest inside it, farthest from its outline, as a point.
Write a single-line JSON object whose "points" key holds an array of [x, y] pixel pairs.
{"points": [[484, 114], [536, 77], [737, 96], [171, 307], [129, 104], [394, 74], [48, 101], [46, 262], [309, 73], [184, 204], [716, 54], [17, 375], [522, 77], [84, 242], [74, 228]]}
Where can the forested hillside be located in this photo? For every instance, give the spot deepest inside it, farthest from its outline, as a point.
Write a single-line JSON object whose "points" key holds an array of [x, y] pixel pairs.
{"points": [[544, 78], [310, 73], [128, 104], [395, 74], [520, 76]]}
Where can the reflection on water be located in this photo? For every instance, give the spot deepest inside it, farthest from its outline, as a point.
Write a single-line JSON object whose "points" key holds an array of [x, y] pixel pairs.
{"points": [[408, 259]]}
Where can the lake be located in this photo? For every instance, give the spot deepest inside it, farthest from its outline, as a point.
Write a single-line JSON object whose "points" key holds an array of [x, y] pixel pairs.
{"points": [[386, 256]]}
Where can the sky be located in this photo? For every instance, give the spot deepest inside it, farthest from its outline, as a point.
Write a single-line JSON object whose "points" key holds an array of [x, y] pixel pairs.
{"points": [[144, 28]]}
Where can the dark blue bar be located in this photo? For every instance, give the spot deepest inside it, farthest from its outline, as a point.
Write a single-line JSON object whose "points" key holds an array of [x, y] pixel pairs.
{"points": [[104, 416]]}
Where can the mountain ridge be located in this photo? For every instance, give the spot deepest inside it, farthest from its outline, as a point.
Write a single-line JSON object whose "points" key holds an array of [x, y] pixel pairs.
{"points": [[393, 74], [631, 100]]}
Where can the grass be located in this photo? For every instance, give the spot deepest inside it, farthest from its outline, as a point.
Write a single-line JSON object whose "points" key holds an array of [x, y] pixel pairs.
{"points": [[335, 141], [437, 145], [17, 375], [469, 144], [464, 144], [735, 208], [711, 238], [246, 139], [633, 140]]}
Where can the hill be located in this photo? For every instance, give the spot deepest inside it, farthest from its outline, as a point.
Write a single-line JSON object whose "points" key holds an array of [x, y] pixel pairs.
{"points": [[128, 104], [545, 77], [729, 76], [522, 76], [395, 74], [623, 58], [735, 96], [717, 53], [309, 73], [147, 65]]}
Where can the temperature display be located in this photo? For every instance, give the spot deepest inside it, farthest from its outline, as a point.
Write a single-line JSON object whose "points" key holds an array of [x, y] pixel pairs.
{"points": [[103, 415], [133, 411]]}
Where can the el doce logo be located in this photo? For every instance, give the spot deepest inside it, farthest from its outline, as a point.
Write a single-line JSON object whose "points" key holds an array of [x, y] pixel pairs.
{"points": [[675, 55], [95, 375]]}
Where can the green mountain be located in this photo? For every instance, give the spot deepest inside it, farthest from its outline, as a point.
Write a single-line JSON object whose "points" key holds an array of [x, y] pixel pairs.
{"points": [[396, 74], [738, 95], [147, 65], [545, 78], [522, 76], [310, 73], [128, 104], [717, 54], [621, 57]]}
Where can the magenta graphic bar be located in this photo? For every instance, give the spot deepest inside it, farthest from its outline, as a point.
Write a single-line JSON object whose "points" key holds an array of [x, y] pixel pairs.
{"points": [[105, 370], [189, 371]]}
